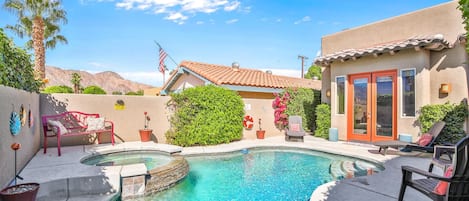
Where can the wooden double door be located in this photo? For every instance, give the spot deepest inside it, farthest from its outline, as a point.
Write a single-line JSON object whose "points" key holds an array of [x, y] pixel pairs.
{"points": [[372, 106]]}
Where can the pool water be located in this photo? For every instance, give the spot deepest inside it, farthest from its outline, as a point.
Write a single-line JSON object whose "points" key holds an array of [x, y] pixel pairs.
{"points": [[151, 159], [252, 175]]}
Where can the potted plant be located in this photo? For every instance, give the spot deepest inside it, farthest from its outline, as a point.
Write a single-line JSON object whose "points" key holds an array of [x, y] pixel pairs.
{"points": [[24, 192], [260, 133], [145, 133]]}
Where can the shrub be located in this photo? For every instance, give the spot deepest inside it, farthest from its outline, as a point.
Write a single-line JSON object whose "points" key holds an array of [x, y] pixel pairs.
{"points": [[298, 101], [16, 68], [205, 115], [116, 93], [58, 89], [93, 90], [453, 115], [323, 120], [314, 71]]}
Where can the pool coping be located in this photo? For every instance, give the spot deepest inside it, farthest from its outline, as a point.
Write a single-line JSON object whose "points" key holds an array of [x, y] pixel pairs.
{"points": [[71, 157]]}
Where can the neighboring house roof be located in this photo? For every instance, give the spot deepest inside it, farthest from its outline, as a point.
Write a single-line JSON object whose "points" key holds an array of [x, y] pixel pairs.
{"points": [[435, 42], [241, 79]]}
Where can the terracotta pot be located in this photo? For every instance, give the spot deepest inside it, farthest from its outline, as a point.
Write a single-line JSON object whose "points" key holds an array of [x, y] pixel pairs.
{"points": [[145, 134], [20, 192], [260, 134]]}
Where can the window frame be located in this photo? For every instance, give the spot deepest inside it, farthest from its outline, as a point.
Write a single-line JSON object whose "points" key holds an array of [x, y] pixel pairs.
{"points": [[401, 93], [336, 94]]}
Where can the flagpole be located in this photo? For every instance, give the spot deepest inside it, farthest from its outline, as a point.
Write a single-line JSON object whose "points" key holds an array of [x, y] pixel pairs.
{"points": [[167, 54]]}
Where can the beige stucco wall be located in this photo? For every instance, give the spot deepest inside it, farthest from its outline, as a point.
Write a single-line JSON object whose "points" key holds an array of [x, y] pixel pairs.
{"points": [[128, 121], [407, 59], [432, 68], [441, 19], [11, 100], [186, 80]]}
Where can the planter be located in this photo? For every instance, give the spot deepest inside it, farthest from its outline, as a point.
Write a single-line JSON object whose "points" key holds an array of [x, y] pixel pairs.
{"points": [[260, 134], [145, 134], [20, 192]]}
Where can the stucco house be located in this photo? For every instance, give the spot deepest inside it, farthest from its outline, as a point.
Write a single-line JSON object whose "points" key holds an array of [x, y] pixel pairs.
{"points": [[249, 83], [377, 76]]}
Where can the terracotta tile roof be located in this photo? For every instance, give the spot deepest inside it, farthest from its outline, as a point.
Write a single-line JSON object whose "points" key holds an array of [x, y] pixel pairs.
{"points": [[434, 42], [226, 75]]}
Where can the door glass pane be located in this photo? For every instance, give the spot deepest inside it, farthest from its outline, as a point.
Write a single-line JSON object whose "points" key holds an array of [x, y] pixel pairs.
{"points": [[360, 98], [384, 106]]}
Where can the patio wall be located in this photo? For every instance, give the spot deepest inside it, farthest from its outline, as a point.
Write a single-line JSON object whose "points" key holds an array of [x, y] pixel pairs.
{"points": [[128, 121], [11, 100]]}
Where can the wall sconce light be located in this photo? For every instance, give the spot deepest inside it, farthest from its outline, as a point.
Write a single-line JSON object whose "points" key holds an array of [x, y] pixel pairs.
{"points": [[328, 93], [445, 88]]}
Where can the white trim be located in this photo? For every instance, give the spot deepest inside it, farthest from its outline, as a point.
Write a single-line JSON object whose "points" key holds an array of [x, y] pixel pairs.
{"points": [[401, 95], [336, 110]]}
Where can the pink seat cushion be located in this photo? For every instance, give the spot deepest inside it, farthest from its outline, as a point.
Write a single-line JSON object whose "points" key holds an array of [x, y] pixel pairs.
{"points": [[295, 127], [441, 187], [425, 139]]}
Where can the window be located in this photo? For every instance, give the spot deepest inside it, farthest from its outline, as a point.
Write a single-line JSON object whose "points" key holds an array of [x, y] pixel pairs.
{"points": [[340, 95], [408, 93]]}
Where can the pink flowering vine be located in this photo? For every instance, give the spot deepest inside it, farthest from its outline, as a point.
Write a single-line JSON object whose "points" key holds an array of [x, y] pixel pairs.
{"points": [[280, 106]]}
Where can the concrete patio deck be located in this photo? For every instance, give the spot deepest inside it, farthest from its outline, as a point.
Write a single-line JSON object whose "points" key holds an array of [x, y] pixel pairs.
{"points": [[61, 176]]}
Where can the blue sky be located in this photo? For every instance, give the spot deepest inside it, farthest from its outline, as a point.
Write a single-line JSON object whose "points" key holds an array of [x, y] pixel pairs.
{"points": [[119, 35]]}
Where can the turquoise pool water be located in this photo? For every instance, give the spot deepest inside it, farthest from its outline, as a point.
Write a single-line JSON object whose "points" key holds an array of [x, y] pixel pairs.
{"points": [[151, 159], [253, 175]]}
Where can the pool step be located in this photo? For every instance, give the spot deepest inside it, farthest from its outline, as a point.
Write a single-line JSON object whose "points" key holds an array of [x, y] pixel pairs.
{"points": [[340, 169]]}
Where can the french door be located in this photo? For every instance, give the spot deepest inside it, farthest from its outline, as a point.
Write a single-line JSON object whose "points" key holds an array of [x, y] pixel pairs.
{"points": [[372, 106]]}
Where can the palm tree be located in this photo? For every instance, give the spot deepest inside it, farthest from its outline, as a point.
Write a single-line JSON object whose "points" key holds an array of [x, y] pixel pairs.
{"points": [[76, 79], [39, 20]]}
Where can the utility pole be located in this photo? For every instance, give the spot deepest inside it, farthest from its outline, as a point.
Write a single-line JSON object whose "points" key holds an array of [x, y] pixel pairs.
{"points": [[303, 58]]}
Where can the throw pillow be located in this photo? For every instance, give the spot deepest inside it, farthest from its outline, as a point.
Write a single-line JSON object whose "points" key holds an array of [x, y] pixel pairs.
{"points": [[295, 127], [94, 123], [54, 124], [425, 139], [441, 187]]}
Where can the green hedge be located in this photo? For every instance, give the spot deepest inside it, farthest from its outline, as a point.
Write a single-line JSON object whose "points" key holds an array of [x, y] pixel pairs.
{"points": [[323, 120], [205, 115], [302, 102], [453, 115], [16, 68], [93, 90], [58, 89]]}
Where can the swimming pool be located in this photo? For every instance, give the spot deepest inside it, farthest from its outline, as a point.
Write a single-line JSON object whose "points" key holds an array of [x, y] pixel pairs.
{"points": [[256, 174], [151, 159]]}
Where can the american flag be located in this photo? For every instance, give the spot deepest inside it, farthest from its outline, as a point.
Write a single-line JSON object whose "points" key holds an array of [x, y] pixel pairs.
{"points": [[163, 55]]}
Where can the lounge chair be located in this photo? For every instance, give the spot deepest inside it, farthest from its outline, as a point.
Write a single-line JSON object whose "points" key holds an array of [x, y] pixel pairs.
{"points": [[457, 188], [295, 129], [435, 130]]}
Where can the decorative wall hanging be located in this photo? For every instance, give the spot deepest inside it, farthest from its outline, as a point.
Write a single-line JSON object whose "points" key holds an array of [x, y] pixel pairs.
{"points": [[15, 123], [22, 115], [119, 105], [30, 118]]}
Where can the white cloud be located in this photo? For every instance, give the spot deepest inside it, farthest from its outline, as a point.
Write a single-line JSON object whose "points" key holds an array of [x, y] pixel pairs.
{"points": [[232, 6], [231, 21], [178, 18], [153, 78], [200, 22], [97, 64], [304, 19], [180, 7]]}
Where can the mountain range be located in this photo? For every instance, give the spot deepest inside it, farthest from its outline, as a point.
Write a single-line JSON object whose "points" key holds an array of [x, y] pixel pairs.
{"points": [[107, 80]]}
